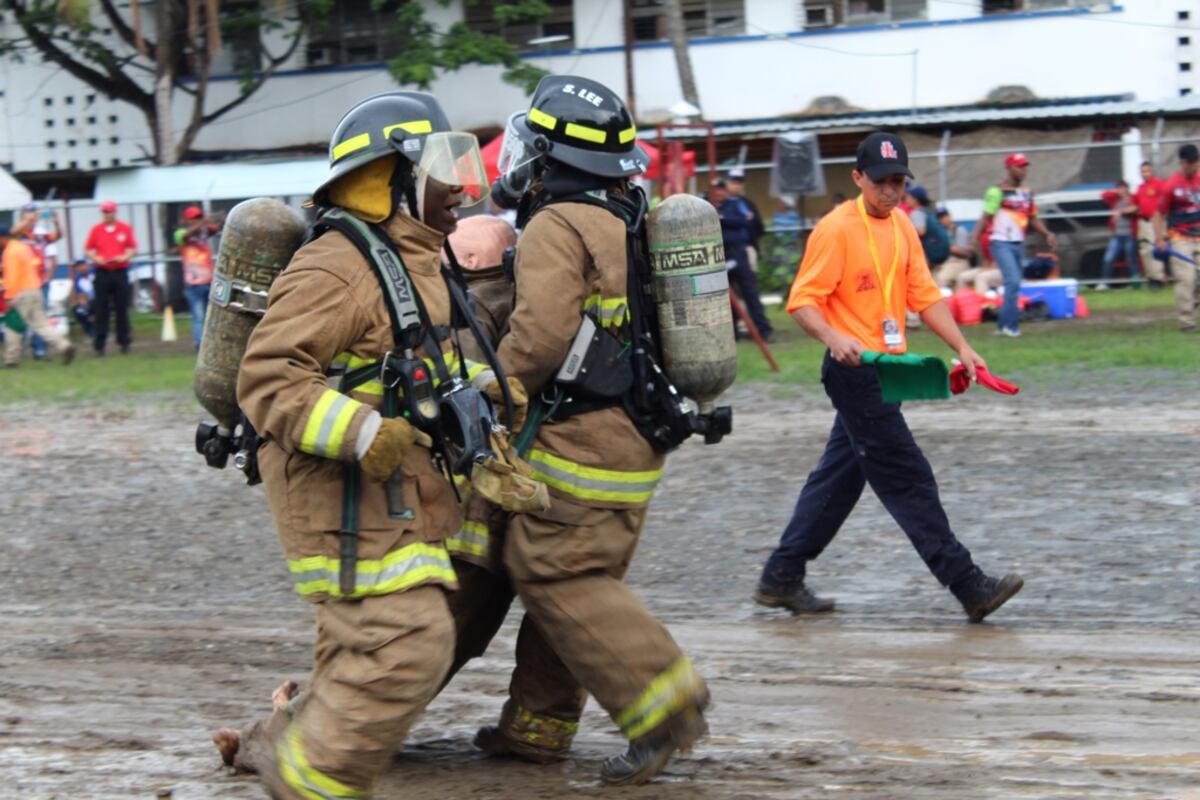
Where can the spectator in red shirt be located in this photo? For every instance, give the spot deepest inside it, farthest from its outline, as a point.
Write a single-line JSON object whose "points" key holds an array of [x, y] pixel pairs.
{"points": [[110, 245], [1123, 222], [1178, 220], [1148, 196]]}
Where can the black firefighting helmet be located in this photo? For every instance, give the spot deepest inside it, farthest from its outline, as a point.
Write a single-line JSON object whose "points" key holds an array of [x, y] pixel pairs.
{"points": [[394, 122], [583, 124]]}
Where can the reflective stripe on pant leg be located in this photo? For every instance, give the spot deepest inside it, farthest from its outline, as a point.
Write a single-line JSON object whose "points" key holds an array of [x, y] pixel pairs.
{"points": [[400, 569], [594, 483], [301, 776], [547, 733], [673, 690]]}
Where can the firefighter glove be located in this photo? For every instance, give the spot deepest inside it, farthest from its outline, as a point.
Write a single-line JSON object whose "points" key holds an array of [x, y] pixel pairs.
{"points": [[519, 397], [508, 481], [395, 438]]}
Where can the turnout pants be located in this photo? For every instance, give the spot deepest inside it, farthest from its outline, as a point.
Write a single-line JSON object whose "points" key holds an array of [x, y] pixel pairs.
{"points": [[1185, 279], [33, 310], [379, 661], [870, 443], [112, 294], [567, 564]]}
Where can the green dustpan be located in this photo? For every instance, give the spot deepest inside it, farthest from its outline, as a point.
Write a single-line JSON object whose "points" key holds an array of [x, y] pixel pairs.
{"points": [[13, 319], [910, 376]]}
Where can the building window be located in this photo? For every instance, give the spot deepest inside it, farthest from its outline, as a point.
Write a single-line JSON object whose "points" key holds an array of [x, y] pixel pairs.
{"points": [[51, 165], [113, 140], [93, 141], [830, 13], [481, 16], [1183, 16], [701, 18], [1184, 92], [354, 32], [49, 101], [69, 100], [112, 118], [95, 163], [49, 123], [70, 120], [50, 145], [116, 162], [1184, 41], [1185, 66]]}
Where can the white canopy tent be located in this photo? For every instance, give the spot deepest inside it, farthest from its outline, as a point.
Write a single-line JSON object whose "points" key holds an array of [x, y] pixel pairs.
{"points": [[194, 183], [13, 194]]}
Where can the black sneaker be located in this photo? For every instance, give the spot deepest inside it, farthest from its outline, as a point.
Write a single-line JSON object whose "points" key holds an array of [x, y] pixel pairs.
{"points": [[799, 599], [982, 594]]}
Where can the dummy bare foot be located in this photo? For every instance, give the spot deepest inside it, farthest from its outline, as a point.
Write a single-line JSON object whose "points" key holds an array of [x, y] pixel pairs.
{"points": [[227, 741], [283, 693]]}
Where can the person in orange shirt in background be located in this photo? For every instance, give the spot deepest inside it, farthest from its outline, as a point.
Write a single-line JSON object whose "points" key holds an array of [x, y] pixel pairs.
{"points": [[23, 293], [863, 269]]}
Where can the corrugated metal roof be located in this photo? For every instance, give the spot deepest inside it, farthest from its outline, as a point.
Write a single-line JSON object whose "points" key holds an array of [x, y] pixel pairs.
{"points": [[960, 115], [197, 182]]}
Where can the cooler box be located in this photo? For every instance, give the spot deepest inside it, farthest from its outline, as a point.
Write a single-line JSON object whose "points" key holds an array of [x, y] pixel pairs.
{"points": [[1058, 295]]}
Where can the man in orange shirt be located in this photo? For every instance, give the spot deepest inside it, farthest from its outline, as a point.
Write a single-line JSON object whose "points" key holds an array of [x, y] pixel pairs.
{"points": [[863, 269], [23, 293]]}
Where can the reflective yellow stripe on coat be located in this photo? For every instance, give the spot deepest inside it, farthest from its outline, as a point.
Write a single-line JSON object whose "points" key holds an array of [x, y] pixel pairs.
{"points": [[327, 424], [400, 569], [594, 483], [299, 774], [349, 363], [473, 539], [612, 312]]}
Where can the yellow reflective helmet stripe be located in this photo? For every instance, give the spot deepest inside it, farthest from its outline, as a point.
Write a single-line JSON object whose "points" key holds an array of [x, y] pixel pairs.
{"points": [[351, 145], [673, 689], [299, 774], [588, 134], [627, 135], [416, 127], [612, 311], [400, 569], [540, 117], [327, 424], [473, 539], [593, 483]]}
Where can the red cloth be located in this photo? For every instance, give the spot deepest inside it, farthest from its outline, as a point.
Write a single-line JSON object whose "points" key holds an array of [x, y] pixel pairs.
{"points": [[111, 241], [960, 382], [1180, 202], [1148, 196], [1113, 200]]}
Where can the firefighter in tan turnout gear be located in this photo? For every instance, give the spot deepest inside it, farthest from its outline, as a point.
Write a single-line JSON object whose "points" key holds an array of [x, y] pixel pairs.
{"points": [[569, 162], [355, 472]]}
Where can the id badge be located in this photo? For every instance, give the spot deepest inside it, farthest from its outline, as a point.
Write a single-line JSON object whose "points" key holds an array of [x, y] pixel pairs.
{"points": [[893, 339]]}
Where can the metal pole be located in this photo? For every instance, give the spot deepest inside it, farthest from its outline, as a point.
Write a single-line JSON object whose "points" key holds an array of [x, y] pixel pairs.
{"points": [[1156, 142], [629, 98], [943, 148], [914, 80]]}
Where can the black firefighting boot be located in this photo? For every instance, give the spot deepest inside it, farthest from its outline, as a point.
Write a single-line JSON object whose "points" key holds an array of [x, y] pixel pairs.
{"points": [[495, 742], [797, 598], [981, 594], [649, 754]]}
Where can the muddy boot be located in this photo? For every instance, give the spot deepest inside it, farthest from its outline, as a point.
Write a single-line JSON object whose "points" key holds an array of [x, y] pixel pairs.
{"points": [[982, 594], [227, 741], [649, 754], [493, 741], [799, 599]]}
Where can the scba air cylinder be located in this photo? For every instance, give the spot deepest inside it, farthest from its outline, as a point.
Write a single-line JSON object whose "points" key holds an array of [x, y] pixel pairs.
{"points": [[259, 238], [691, 289]]}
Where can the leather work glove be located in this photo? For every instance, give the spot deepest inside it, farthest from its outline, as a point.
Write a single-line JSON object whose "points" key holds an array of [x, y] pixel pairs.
{"points": [[508, 481], [396, 436], [520, 402]]}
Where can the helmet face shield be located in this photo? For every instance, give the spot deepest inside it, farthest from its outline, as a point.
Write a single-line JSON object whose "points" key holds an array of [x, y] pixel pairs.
{"points": [[516, 160], [453, 158]]}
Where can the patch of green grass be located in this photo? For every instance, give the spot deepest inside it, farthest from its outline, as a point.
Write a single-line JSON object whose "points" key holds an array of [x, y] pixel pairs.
{"points": [[1127, 330], [151, 366]]}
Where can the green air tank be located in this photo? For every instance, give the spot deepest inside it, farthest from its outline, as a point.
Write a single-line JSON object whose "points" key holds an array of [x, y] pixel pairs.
{"points": [[258, 240], [691, 289]]}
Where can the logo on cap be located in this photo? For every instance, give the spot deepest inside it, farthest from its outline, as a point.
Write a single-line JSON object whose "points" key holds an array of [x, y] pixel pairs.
{"points": [[888, 150]]}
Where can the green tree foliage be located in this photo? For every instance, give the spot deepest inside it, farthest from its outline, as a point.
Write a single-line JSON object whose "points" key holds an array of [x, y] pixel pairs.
{"points": [[136, 65]]}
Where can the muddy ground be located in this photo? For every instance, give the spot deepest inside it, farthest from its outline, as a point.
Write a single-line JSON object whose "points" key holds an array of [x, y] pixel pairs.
{"points": [[145, 603]]}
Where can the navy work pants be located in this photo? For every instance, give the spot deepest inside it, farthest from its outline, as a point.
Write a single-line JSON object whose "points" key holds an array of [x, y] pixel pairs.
{"points": [[870, 443]]}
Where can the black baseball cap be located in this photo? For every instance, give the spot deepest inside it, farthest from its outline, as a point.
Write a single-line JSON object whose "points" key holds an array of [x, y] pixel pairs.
{"points": [[882, 154], [1189, 153]]}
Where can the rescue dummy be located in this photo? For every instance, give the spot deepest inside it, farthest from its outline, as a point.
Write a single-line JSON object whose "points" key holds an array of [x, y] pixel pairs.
{"points": [[368, 411]]}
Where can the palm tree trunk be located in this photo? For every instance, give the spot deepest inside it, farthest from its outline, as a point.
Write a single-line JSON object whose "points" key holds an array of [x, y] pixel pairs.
{"points": [[679, 43]]}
